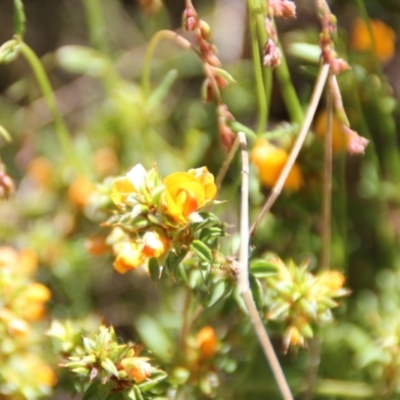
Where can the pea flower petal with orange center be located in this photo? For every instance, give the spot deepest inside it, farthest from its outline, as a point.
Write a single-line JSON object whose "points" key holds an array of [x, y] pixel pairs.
{"points": [[185, 193], [129, 256], [207, 179], [154, 245], [121, 189]]}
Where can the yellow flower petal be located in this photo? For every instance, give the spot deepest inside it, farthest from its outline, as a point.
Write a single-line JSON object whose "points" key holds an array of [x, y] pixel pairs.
{"points": [[120, 190], [270, 160], [129, 256]]}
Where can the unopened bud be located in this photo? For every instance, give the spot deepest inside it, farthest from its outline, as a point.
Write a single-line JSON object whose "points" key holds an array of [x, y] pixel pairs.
{"points": [[189, 20], [205, 30], [272, 54], [270, 29], [207, 91], [356, 144], [282, 8]]}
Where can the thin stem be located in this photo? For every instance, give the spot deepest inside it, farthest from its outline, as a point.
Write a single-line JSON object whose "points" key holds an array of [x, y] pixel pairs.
{"points": [[327, 186], [48, 93], [96, 25], [258, 69], [163, 34], [276, 190], [222, 172], [288, 92], [267, 72], [261, 333]]}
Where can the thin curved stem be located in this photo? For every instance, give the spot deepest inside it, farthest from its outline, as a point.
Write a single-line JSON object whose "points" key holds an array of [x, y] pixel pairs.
{"points": [[276, 190], [244, 285], [48, 93], [163, 34]]}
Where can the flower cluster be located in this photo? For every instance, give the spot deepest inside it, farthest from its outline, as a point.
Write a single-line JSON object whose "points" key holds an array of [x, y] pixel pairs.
{"points": [[299, 300], [276, 8], [23, 301], [101, 357], [154, 215], [329, 27], [270, 161]]}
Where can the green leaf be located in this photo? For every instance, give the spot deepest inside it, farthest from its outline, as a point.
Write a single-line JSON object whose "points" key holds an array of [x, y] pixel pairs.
{"points": [[156, 339], [218, 291], [262, 268], [154, 269], [257, 291], [202, 251], [163, 88], [98, 391], [110, 367], [19, 18], [5, 134], [83, 60]]}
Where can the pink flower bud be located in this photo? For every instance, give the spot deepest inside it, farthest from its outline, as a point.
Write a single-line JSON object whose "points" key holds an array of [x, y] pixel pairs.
{"points": [[189, 20], [272, 54], [356, 144]]}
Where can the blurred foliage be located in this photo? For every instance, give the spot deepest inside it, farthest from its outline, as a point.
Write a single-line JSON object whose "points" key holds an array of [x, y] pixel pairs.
{"points": [[77, 114]]}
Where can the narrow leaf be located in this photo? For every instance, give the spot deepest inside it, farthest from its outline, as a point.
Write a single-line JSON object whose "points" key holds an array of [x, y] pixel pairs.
{"points": [[202, 251], [19, 17], [163, 88]]}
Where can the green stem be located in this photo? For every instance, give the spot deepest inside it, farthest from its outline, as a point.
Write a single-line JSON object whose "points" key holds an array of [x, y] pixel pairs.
{"points": [[61, 128], [288, 92], [95, 19], [164, 34], [267, 72], [258, 68]]}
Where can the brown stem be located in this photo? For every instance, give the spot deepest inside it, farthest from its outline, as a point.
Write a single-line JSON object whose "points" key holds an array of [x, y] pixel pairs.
{"points": [[276, 190], [258, 325]]}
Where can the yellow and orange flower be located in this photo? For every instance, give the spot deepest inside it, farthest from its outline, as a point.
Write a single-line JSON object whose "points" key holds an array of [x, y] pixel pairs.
{"points": [[137, 368], [133, 182], [187, 192], [129, 257], [154, 245], [206, 342], [384, 38], [270, 161]]}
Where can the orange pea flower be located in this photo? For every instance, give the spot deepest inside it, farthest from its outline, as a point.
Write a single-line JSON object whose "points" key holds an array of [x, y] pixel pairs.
{"points": [[137, 368], [384, 38], [129, 256], [206, 342], [270, 160], [154, 245], [80, 190], [186, 192]]}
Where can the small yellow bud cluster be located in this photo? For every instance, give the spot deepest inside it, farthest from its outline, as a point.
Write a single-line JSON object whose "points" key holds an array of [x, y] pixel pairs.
{"points": [[153, 214], [103, 358], [300, 300], [23, 302]]}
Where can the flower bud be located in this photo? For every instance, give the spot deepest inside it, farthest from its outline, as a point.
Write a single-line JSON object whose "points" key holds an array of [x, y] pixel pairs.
{"points": [[189, 20], [272, 54]]}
